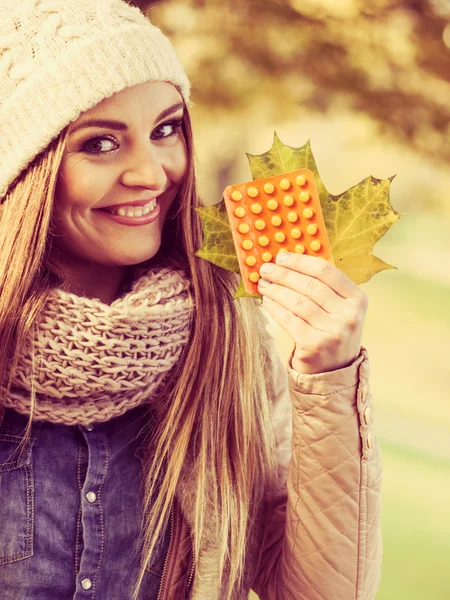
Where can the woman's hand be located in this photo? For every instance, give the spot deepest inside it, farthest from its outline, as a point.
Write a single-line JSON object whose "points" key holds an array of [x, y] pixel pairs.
{"points": [[319, 306]]}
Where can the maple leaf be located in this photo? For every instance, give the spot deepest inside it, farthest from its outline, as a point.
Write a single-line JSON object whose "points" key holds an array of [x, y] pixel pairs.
{"points": [[218, 246], [355, 219]]}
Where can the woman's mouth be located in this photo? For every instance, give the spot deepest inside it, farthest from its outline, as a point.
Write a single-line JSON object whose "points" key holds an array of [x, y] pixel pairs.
{"points": [[133, 215], [134, 211]]}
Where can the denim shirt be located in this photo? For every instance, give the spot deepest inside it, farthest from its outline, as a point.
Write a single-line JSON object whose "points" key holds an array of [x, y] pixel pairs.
{"points": [[70, 511]]}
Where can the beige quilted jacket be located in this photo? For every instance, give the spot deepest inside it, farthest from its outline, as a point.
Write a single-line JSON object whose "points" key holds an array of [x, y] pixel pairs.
{"points": [[319, 538]]}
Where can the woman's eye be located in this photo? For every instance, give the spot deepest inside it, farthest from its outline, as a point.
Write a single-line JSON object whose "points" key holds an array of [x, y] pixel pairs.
{"points": [[167, 129], [96, 145]]}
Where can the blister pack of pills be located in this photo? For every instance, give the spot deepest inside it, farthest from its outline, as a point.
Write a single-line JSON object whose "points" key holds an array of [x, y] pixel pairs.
{"points": [[277, 214]]}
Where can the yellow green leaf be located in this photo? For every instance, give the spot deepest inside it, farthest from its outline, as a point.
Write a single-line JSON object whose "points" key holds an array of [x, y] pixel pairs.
{"points": [[218, 246], [355, 219]]}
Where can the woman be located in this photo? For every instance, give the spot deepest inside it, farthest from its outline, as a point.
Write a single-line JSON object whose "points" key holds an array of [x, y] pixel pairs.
{"points": [[145, 445]]}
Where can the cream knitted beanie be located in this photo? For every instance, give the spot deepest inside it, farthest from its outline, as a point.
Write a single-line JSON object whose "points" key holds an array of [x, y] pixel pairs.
{"points": [[59, 58]]}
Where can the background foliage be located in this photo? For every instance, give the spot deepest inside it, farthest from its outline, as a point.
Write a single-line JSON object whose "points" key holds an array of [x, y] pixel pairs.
{"points": [[368, 81]]}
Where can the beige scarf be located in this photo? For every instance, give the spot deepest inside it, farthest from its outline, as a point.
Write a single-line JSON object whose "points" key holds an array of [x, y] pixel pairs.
{"points": [[91, 361]]}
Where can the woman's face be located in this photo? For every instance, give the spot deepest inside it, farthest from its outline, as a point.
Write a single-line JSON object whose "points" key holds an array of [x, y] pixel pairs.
{"points": [[118, 180]]}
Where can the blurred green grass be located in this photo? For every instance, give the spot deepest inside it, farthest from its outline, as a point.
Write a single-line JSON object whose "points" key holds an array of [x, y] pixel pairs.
{"points": [[407, 334], [416, 527]]}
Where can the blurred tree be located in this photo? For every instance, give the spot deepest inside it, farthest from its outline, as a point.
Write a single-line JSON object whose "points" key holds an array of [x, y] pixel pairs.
{"points": [[386, 58]]}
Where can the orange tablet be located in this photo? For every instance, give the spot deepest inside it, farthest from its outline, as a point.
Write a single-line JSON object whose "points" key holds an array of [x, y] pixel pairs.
{"points": [[277, 214]]}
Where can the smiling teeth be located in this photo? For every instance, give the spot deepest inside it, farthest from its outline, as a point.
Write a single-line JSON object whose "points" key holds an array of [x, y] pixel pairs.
{"points": [[135, 211]]}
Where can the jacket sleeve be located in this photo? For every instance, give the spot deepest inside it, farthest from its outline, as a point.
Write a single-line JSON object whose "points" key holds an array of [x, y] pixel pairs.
{"points": [[322, 537]]}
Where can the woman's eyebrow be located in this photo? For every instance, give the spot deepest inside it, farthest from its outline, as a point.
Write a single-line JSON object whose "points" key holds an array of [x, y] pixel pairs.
{"points": [[119, 125]]}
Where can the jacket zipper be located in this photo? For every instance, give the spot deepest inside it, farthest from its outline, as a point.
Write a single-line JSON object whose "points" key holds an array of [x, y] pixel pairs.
{"points": [[166, 562], [191, 574]]}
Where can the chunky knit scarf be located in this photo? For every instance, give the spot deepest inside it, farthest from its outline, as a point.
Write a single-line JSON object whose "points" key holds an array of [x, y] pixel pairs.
{"points": [[91, 361]]}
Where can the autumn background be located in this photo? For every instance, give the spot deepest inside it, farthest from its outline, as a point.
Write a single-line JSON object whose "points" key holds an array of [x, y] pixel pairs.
{"points": [[368, 82]]}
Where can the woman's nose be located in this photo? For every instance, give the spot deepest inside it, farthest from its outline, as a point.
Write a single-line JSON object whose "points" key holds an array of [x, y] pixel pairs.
{"points": [[145, 169]]}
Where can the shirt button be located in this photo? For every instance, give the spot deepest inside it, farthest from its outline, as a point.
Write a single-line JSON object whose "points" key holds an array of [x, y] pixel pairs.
{"points": [[89, 427], [91, 497], [86, 583]]}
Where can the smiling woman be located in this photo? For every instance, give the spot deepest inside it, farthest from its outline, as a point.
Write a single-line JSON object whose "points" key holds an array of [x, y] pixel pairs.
{"points": [[152, 444]]}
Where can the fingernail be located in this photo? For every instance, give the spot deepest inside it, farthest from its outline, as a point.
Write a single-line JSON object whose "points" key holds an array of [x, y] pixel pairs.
{"points": [[282, 256], [263, 283], [267, 268]]}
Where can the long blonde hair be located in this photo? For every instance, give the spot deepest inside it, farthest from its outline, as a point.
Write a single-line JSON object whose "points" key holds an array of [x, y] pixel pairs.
{"points": [[217, 403]]}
